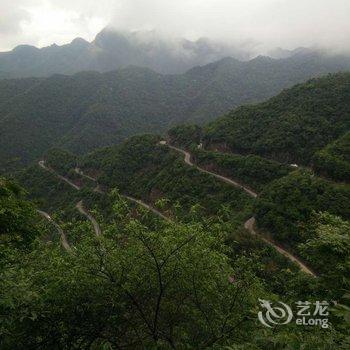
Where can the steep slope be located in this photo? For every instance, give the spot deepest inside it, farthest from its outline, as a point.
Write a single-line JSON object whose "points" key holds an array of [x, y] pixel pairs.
{"points": [[143, 168], [82, 112], [290, 127], [229, 83], [18, 219], [334, 160], [90, 110]]}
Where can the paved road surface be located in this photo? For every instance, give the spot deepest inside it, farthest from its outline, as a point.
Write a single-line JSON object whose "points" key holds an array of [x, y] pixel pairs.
{"points": [[220, 177], [250, 224], [81, 173], [63, 237], [95, 224], [137, 201], [143, 204], [42, 165], [79, 205]]}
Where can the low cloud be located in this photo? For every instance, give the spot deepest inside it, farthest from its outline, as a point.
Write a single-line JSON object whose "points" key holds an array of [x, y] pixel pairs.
{"points": [[266, 23], [262, 24]]}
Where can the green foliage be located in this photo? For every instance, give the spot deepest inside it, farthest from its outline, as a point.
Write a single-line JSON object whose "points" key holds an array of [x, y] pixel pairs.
{"points": [[291, 200], [90, 110], [60, 160], [327, 248], [251, 170], [290, 127], [144, 169], [17, 216], [334, 160], [132, 288], [46, 189], [185, 135]]}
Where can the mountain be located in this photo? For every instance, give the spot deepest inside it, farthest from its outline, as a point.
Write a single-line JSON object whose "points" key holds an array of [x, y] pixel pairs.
{"points": [[161, 251], [111, 50], [334, 160], [279, 53], [90, 109], [290, 127]]}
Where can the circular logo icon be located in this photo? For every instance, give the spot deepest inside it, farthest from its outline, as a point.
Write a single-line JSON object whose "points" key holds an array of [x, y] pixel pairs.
{"points": [[274, 315]]}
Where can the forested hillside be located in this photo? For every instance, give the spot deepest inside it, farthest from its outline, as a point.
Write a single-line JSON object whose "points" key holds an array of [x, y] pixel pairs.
{"points": [[290, 127], [143, 169], [171, 247], [91, 110], [17, 218], [110, 275], [334, 160], [214, 212]]}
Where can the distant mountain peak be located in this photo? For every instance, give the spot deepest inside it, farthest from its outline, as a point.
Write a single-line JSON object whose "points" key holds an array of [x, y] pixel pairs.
{"points": [[113, 49], [80, 42], [25, 48], [263, 59]]}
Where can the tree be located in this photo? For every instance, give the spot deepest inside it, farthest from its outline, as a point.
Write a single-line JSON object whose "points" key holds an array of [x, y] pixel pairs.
{"points": [[328, 250], [131, 288]]}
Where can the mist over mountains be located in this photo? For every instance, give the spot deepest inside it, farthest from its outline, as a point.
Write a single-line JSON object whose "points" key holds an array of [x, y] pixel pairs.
{"points": [[89, 110], [113, 49], [83, 95]]}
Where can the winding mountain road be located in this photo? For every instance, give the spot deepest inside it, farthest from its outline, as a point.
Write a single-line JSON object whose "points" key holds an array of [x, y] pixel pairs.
{"points": [[249, 224], [63, 237], [79, 205], [42, 165], [95, 224], [81, 173], [147, 206], [131, 199], [220, 177]]}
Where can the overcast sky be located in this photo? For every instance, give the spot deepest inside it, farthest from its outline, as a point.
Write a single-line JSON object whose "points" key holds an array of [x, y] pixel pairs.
{"points": [[264, 23]]}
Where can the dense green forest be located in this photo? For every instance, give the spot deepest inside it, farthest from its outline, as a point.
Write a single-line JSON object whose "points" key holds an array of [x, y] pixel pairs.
{"points": [[334, 160], [177, 297], [253, 171], [291, 200], [174, 265], [61, 160], [208, 299], [144, 169], [17, 217], [301, 208], [89, 110], [290, 127]]}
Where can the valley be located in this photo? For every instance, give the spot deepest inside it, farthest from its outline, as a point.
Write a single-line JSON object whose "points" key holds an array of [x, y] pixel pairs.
{"points": [[90, 110], [195, 224]]}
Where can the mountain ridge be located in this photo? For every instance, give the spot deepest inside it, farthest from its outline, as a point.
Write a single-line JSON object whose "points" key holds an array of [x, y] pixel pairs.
{"points": [[112, 49], [89, 110]]}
